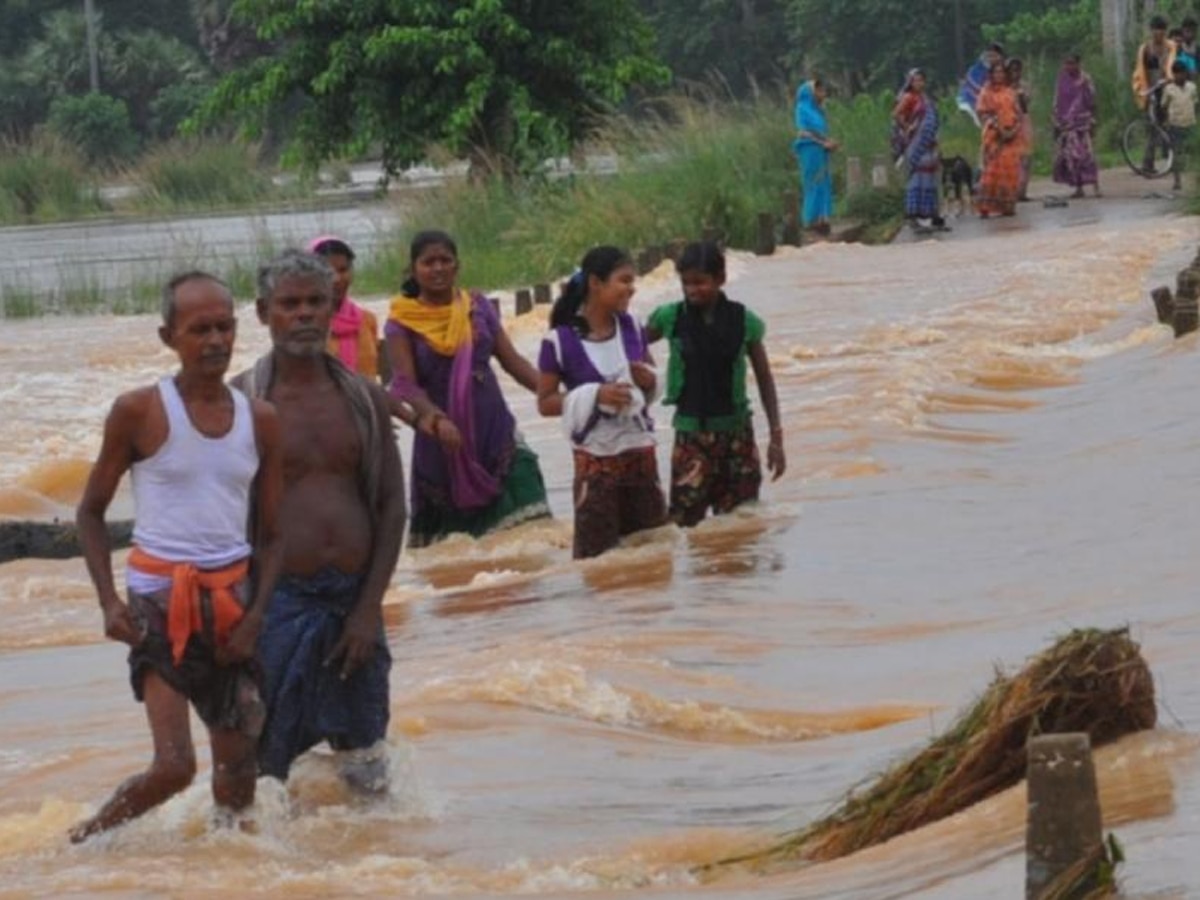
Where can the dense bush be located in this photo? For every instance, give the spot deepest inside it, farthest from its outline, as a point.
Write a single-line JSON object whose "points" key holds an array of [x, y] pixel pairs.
{"points": [[97, 124]]}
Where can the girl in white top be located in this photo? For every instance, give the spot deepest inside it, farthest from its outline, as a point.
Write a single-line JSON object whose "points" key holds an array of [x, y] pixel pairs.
{"points": [[597, 352]]}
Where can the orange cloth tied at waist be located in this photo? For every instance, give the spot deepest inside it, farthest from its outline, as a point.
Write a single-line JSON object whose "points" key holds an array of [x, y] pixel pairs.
{"points": [[184, 613]]}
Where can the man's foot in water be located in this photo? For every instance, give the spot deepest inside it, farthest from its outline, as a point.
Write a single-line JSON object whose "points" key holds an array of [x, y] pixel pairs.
{"points": [[366, 771]]}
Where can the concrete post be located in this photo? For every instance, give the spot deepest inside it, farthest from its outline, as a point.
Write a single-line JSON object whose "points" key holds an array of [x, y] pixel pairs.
{"points": [[1164, 304], [1187, 282], [1186, 316], [764, 244], [1063, 824], [854, 175], [791, 219], [879, 173]]}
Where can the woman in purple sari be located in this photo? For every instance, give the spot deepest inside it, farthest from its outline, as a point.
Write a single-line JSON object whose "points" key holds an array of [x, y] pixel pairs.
{"points": [[471, 473], [1074, 126]]}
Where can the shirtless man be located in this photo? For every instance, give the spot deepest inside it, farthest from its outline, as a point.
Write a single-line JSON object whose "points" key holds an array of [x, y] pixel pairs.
{"points": [[323, 647], [195, 450]]}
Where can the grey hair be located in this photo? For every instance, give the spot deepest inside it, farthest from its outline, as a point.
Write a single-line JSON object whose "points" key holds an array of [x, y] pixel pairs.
{"points": [[168, 305], [293, 264]]}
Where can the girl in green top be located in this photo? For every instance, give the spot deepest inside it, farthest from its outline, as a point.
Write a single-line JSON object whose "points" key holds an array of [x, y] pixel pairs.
{"points": [[715, 461]]}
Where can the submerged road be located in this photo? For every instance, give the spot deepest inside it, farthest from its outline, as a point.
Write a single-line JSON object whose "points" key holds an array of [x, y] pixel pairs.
{"points": [[111, 256]]}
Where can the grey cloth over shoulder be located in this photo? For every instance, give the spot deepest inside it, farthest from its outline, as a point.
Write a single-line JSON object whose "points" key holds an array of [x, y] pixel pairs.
{"points": [[256, 382]]}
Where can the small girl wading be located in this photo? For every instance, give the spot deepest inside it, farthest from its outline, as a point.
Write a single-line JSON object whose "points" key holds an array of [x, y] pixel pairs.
{"points": [[715, 460], [596, 351]]}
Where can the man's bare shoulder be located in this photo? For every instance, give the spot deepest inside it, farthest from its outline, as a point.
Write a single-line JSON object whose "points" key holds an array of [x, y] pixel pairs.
{"points": [[133, 405]]}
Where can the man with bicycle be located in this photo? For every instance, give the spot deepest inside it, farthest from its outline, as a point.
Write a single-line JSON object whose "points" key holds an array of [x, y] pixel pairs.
{"points": [[1155, 58]]}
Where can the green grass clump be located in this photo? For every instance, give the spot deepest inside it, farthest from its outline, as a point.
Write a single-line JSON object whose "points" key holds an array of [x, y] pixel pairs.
{"points": [[19, 302], [43, 181], [879, 210], [204, 174]]}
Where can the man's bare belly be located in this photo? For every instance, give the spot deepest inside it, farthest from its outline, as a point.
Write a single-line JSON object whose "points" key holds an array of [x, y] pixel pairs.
{"points": [[325, 523]]}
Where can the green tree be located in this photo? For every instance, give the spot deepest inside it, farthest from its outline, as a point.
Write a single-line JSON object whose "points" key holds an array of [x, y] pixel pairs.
{"points": [[742, 43], [505, 80], [1052, 32], [870, 44]]}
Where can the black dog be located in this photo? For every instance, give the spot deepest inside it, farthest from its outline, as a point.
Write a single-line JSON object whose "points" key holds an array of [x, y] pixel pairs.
{"points": [[957, 178]]}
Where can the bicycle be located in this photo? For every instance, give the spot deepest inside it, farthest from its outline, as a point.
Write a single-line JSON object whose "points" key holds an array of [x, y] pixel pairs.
{"points": [[1146, 144]]}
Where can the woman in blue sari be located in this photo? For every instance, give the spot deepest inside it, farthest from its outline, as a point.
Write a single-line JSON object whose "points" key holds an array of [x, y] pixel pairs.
{"points": [[813, 146]]}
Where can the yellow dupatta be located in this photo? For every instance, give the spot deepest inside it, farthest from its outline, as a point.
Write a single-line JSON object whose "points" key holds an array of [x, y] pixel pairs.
{"points": [[444, 328]]}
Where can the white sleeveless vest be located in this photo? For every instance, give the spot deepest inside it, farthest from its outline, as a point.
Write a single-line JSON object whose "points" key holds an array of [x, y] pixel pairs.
{"points": [[192, 497]]}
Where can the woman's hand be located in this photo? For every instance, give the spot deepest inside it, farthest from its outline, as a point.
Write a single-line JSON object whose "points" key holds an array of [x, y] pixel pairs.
{"points": [[832, 146], [445, 432], [617, 394], [776, 459], [644, 375]]}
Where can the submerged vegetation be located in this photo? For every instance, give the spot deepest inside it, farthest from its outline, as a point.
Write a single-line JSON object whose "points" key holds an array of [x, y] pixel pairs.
{"points": [[1090, 681]]}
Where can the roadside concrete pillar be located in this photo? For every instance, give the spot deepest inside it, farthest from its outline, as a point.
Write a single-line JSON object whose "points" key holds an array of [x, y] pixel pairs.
{"points": [[1063, 825], [854, 175]]}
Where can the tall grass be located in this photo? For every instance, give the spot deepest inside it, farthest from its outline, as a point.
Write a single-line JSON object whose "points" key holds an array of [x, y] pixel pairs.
{"points": [[685, 165], [43, 181], [201, 174]]}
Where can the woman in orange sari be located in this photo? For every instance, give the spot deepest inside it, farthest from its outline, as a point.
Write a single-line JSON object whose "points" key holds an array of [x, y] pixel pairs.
{"points": [[1000, 113]]}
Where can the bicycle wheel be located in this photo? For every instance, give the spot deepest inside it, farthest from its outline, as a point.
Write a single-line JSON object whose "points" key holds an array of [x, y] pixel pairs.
{"points": [[1147, 149]]}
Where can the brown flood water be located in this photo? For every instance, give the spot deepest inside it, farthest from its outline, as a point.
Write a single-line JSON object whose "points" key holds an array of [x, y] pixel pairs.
{"points": [[990, 442]]}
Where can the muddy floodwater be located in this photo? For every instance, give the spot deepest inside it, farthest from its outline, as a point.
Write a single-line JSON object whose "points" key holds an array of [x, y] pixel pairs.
{"points": [[990, 441]]}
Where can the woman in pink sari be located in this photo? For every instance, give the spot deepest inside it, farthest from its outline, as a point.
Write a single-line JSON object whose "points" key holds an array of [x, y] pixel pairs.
{"points": [[353, 332], [1000, 114]]}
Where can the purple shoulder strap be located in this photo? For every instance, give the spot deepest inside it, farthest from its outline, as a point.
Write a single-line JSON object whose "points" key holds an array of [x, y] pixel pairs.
{"points": [[631, 338]]}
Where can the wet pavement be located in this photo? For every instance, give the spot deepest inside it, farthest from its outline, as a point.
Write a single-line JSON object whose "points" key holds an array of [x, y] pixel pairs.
{"points": [[1126, 197]]}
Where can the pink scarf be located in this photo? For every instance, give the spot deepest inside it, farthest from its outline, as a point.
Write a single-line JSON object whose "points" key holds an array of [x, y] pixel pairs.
{"points": [[345, 326]]}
